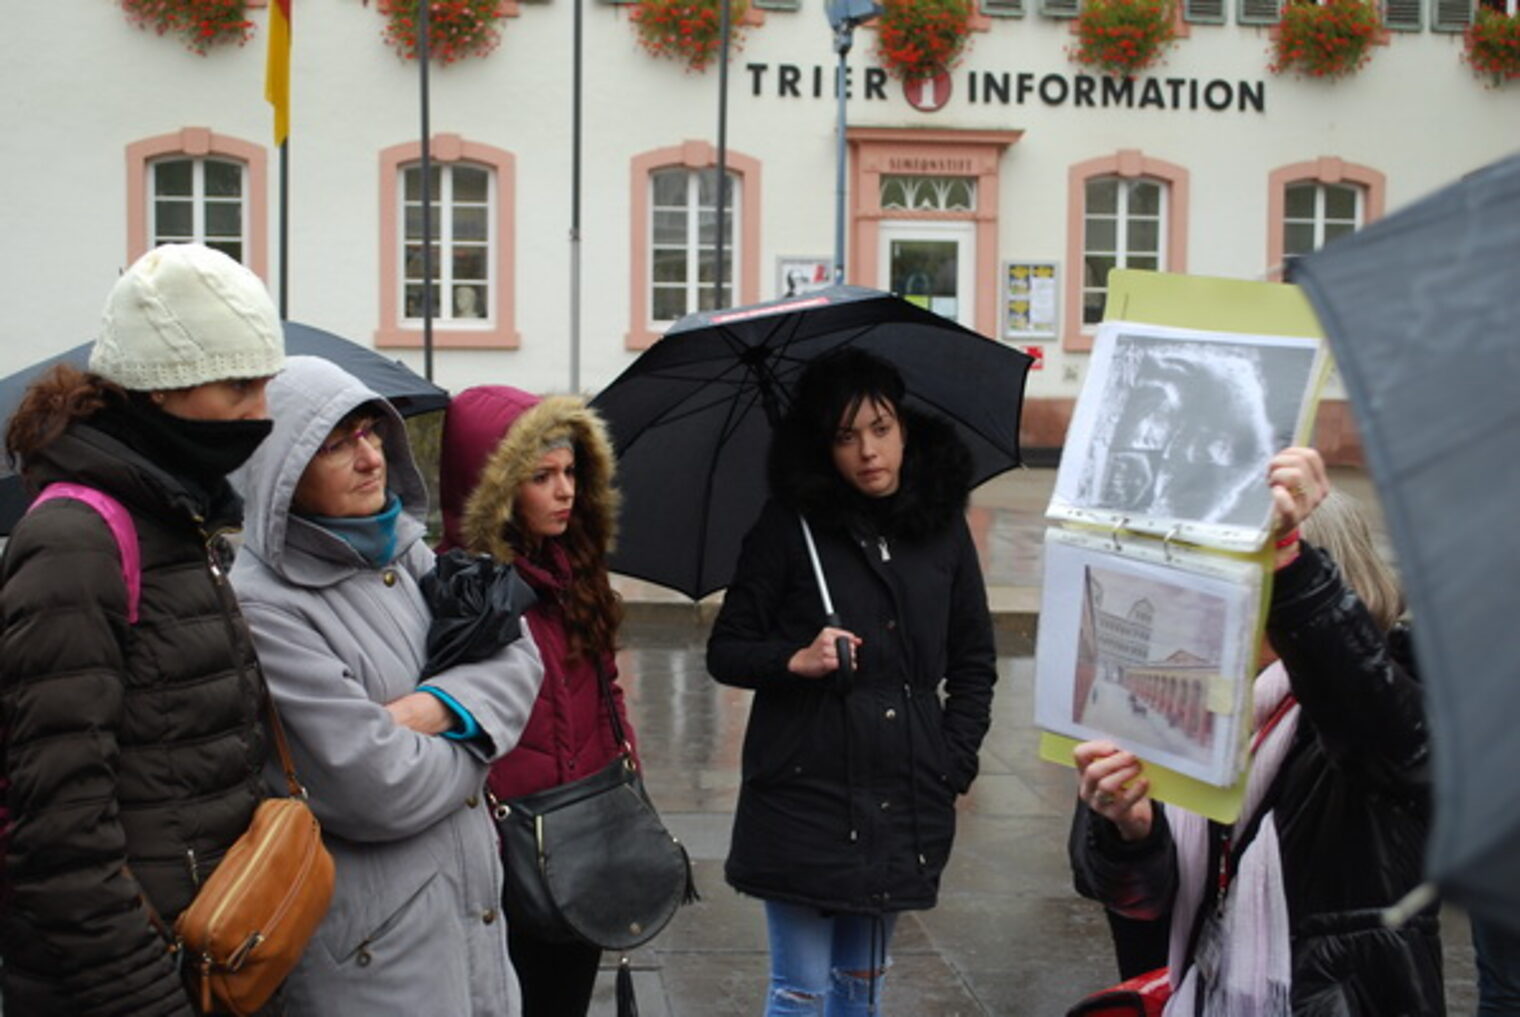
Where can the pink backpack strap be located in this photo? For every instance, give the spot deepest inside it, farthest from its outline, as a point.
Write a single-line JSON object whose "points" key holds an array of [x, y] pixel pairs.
{"points": [[122, 528]]}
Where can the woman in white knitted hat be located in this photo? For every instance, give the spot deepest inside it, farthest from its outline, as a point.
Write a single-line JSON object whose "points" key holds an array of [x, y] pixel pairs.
{"points": [[134, 743]]}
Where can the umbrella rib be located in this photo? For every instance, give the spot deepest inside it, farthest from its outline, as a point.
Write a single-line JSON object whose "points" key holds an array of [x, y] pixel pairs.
{"points": [[729, 428]]}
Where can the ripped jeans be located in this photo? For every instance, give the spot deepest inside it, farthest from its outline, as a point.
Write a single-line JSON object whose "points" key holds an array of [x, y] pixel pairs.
{"points": [[821, 964]]}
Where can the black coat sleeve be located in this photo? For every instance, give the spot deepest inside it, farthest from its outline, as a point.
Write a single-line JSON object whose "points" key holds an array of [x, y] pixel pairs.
{"points": [[63, 606], [747, 647], [1360, 697], [1136, 879], [970, 663]]}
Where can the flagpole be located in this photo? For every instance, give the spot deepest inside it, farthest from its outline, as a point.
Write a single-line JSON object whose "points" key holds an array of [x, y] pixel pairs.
{"points": [[277, 94], [285, 230], [427, 193], [724, 18]]}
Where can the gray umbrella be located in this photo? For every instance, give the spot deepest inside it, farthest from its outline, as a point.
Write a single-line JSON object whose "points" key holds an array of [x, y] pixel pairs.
{"points": [[1423, 314], [409, 391]]}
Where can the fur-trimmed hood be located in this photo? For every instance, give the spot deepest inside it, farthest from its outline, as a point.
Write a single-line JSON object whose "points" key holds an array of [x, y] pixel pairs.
{"points": [[935, 482], [493, 438]]}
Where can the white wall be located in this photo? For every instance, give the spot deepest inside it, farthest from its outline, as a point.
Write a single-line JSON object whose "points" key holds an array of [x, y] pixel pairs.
{"points": [[84, 84]]}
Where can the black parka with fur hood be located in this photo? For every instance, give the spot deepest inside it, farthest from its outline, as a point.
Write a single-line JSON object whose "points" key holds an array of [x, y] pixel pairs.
{"points": [[848, 796]]}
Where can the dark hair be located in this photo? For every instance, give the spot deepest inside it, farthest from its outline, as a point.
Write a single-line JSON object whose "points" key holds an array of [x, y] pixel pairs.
{"points": [[51, 403], [833, 387]]}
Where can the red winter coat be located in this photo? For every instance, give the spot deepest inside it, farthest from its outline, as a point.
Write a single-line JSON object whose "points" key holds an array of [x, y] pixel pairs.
{"points": [[492, 441]]}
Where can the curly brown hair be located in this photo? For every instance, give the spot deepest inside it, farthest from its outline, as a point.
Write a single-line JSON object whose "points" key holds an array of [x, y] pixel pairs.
{"points": [[51, 403]]}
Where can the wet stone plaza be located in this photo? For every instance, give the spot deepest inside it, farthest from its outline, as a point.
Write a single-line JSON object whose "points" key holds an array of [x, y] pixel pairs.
{"points": [[1009, 937]]}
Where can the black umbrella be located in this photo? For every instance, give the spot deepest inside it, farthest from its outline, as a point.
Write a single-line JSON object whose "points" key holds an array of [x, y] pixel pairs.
{"points": [[1423, 314], [692, 417], [408, 391]]}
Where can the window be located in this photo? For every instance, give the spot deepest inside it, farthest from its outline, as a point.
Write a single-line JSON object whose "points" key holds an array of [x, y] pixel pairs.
{"points": [[1451, 15], [683, 241], [927, 194], [1060, 8], [1203, 12], [1315, 214], [1506, 7], [472, 189], [1258, 12], [1403, 15], [196, 186], [199, 201], [1311, 203], [1003, 8], [1125, 227], [461, 249], [673, 220], [1124, 211]]}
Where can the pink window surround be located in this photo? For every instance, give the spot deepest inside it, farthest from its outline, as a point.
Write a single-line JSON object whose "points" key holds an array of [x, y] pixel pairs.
{"points": [[887, 150], [1325, 170], [200, 143], [693, 155], [1127, 164], [447, 149]]}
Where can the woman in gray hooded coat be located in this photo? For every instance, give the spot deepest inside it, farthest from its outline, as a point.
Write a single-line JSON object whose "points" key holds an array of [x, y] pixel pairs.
{"points": [[328, 580]]}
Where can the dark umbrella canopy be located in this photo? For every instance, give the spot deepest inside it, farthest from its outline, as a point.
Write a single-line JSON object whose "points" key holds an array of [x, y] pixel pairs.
{"points": [[1423, 314], [692, 417], [410, 393]]}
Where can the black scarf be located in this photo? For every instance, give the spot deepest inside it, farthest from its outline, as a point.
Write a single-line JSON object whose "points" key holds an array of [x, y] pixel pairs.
{"points": [[198, 453]]}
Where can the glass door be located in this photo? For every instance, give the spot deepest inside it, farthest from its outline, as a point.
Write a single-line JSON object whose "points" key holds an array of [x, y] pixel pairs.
{"points": [[930, 264]]}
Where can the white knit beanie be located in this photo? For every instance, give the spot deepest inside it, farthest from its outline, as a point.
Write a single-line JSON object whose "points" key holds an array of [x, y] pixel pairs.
{"points": [[183, 315]]}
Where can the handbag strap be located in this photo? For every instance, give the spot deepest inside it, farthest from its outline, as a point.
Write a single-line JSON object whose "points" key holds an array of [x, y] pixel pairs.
{"points": [[619, 734], [297, 790]]}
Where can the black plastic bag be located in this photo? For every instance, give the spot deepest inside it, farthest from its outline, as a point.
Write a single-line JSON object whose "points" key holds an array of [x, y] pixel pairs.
{"points": [[477, 604]]}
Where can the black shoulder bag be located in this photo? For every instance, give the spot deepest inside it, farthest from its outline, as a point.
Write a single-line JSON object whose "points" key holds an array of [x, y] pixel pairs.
{"points": [[590, 860]]}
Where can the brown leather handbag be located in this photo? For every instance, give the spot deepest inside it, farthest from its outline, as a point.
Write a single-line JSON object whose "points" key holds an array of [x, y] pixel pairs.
{"points": [[248, 925]]}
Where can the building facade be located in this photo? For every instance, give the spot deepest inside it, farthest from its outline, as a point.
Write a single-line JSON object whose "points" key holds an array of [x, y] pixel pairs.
{"points": [[998, 194]]}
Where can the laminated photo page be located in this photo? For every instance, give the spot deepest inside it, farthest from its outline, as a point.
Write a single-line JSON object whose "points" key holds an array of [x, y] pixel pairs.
{"points": [[1151, 647], [1173, 430]]}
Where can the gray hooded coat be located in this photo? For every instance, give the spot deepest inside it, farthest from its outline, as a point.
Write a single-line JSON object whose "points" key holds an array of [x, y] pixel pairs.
{"points": [[415, 925]]}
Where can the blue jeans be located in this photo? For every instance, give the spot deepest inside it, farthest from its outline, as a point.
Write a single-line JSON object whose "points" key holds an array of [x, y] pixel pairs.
{"points": [[1497, 953], [823, 965]]}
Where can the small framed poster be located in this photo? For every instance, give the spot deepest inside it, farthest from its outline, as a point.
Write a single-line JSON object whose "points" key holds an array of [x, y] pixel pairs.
{"points": [[796, 276], [1029, 299]]}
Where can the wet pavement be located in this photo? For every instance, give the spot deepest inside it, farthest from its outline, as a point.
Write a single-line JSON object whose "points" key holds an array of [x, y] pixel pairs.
{"points": [[1009, 936]]}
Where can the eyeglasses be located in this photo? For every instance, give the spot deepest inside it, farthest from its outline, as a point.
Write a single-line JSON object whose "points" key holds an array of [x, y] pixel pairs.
{"points": [[344, 450]]}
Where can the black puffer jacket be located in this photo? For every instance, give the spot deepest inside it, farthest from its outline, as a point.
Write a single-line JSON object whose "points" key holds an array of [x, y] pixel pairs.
{"points": [[134, 752], [1352, 810], [848, 797]]}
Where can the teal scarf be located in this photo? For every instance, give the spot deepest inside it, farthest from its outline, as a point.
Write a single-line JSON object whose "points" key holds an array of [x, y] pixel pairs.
{"points": [[374, 537]]}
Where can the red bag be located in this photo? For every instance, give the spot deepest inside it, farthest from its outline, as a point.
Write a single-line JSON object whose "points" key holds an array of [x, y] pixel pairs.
{"points": [[1144, 996]]}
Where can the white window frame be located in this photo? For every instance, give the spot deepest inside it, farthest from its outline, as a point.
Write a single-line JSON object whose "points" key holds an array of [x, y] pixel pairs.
{"points": [[443, 238], [695, 250], [198, 201], [1319, 220], [1122, 219]]}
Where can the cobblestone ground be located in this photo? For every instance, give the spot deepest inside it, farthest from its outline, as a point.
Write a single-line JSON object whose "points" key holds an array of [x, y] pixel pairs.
{"points": [[1009, 938]]}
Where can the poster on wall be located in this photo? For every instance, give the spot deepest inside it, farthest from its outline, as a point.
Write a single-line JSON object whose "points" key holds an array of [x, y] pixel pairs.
{"points": [[1029, 299], [797, 276]]}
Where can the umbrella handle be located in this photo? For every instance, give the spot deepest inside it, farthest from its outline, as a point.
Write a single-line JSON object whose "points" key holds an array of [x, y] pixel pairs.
{"points": [[841, 647]]}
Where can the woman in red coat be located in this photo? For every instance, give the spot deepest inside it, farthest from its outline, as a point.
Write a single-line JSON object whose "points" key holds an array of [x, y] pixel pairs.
{"points": [[529, 481]]}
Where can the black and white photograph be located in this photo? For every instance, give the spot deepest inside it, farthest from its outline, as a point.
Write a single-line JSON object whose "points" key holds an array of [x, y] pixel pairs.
{"points": [[1176, 427], [1151, 655]]}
